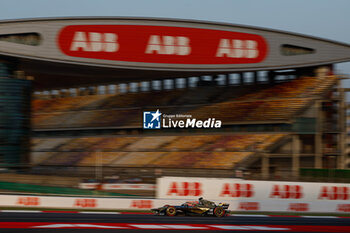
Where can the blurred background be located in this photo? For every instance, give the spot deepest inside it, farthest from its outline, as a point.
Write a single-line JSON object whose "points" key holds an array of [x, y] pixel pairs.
{"points": [[283, 125]]}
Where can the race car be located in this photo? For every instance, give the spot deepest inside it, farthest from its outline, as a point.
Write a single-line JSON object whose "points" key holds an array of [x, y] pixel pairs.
{"points": [[200, 208]]}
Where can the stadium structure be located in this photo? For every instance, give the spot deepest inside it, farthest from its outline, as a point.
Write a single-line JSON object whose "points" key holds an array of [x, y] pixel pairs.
{"points": [[74, 91]]}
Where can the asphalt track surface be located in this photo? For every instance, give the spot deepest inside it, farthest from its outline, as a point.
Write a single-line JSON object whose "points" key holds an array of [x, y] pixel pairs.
{"points": [[16, 222]]}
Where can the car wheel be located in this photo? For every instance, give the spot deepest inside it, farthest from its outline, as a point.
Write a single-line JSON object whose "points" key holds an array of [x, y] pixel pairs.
{"points": [[170, 211], [219, 212]]}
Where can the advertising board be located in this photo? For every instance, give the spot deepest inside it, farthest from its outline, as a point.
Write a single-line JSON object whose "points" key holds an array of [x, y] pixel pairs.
{"points": [[161, 44], [249, 195]]}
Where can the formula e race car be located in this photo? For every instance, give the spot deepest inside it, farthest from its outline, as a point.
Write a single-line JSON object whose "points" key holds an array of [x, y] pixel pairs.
{"points": [[196, 208]]}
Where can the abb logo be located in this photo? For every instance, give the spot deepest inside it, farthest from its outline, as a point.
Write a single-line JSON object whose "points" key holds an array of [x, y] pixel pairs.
{"points": [[334, 193], [237, 48], [168, 45], [185, 189], [94, 42], [287, 191], [298, 207], [161, 44], [28, 201], [85, 203], [249, 206], [343, 208], [237, 190], [142, 204]]}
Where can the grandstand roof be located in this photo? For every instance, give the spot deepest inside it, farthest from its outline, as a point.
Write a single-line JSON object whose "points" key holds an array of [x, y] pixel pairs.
{"points": [[66, 52]]}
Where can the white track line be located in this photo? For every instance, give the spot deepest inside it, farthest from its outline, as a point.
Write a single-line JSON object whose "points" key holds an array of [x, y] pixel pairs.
{"points": [[92, 212], [21, 211], [306, 216], [249, 215]]}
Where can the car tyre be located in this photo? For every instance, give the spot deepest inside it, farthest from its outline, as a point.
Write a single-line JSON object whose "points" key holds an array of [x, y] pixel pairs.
{"points": [[170, 211], [219, 212]]}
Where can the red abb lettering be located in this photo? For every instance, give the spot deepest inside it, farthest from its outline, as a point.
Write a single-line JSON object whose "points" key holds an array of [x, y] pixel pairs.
{"points": [[185, 189], [287, 191], [237, 190], [298, 207], [334, 193], [28, 201], [343, 208], [249, 206], [85, 203], [142, 204]]}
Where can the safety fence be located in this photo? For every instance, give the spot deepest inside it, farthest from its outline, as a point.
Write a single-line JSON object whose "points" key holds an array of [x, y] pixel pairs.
{"points": [[242, 195]]}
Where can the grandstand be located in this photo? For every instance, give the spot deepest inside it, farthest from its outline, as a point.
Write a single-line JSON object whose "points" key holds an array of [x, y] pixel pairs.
{"points": [[259, 120], [281, 106], [124, 109]]}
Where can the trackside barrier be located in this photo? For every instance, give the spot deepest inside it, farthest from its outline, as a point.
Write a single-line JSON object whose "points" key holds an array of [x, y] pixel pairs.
{"points": [[248, 195], [82, 202], [117, 186], [242, 195], [18, 187], [146, 204]]}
